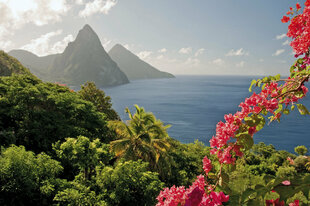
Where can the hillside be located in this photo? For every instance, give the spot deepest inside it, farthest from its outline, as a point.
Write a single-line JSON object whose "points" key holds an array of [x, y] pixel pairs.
{"points": [[9, 65], [133, 66], [37, 65]]}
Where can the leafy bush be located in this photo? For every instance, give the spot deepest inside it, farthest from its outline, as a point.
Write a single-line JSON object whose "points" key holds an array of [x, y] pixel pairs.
{"points": [[26, 178], [37, 114]]}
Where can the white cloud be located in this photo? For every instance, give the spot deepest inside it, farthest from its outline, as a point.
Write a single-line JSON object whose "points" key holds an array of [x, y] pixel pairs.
{"points": [[38, 12], [185, 50], [144, 54], [287, 42], [163, 50], [199, 52], [160, 57], [79, 2], [41, 45], [60, 46], [239, 52], [6, 45], [240, 64], [218, 62], [192, 61], [105, 42], [15, 14], [281, 36], [278, 52], [261, 60], [97, 6]]}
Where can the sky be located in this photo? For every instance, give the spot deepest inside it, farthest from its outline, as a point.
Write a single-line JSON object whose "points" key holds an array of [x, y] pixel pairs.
{"points": [[197, 37]]}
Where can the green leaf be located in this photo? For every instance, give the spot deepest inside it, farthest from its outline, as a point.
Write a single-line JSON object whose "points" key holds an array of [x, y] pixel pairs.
{"points": [[260, 122], [292, 107], [259, 82], [286, 111], [252, 83], [300, 61], [302, 109], [246, 140], [280, 107], [306, 179], [285, 192], [268, 178], [247, 194], [257, 187], [253, 202], [249, 121]]}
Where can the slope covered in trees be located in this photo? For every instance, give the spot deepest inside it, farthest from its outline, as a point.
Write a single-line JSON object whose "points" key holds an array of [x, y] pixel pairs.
{"points": [[9, 65]]}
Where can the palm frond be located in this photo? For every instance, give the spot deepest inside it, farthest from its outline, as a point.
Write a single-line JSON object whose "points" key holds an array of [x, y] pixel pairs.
{"points": [[120, 146]]}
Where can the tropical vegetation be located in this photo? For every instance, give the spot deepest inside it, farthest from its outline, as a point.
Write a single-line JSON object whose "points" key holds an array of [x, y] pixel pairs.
{"points": [[62, 147]]}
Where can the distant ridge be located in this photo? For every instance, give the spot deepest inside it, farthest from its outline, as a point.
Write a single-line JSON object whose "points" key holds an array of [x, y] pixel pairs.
{"points": [[133, 66], [83, 60]]}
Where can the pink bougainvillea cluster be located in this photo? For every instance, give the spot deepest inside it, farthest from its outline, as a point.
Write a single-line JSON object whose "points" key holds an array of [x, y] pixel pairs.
{"points": [[195, 195], [228, 143], [299, 28]]}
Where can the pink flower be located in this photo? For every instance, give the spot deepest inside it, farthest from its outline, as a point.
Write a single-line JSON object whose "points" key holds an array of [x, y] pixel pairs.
{"points": [[286, 182], [274, 203], [295, 203], [252, 130], [207, 166], [194, 197], [171, 197], [214, 199]]}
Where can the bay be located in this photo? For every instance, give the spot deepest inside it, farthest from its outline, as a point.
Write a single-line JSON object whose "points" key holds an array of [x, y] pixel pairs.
{"points": [[193, 105]]}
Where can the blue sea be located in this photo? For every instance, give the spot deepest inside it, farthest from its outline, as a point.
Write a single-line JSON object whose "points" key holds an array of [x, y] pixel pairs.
{"points": [[193, 105]]}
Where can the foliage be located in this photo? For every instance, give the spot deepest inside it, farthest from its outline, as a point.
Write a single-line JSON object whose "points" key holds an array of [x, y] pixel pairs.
{"points": [[186, 165], [26, 178], [10, 65], [143, 137], [91, 93], [37, 114], [301, 150], [77, 194], [129, 183], [84, 154]]}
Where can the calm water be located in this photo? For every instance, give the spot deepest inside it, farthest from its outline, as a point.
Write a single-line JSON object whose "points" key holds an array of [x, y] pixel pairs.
{"points": [[194, 104]]}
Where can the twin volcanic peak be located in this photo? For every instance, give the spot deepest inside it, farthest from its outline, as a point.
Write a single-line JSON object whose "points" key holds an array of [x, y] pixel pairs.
{"points": [[85, 59], [133, 66]]}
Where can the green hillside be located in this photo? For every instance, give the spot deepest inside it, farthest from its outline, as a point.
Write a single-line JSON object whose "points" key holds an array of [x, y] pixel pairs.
{"points": [[9, 65]]}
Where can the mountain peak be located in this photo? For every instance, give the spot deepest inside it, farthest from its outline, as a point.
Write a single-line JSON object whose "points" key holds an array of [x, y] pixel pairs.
{"points": [[87, 34], [133, 66], [87, 27], [118, 48]]}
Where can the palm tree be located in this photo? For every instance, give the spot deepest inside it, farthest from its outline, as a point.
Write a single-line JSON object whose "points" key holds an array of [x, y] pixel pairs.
{"points": [[142, 137]]}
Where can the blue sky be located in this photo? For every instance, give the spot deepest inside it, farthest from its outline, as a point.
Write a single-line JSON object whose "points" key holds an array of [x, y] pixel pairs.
{"points": [[241, 37]]}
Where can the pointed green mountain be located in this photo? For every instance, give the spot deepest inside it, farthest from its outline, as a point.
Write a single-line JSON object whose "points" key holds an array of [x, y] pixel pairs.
{"points": [[83, 60], [133, 66]]}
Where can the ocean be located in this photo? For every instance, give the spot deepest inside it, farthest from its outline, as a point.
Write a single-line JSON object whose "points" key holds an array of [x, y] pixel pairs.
{"points": [[193, 105]]}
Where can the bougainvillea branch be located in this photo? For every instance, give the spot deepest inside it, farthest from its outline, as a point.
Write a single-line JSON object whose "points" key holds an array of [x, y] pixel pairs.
{"points": [[234, 136]]}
